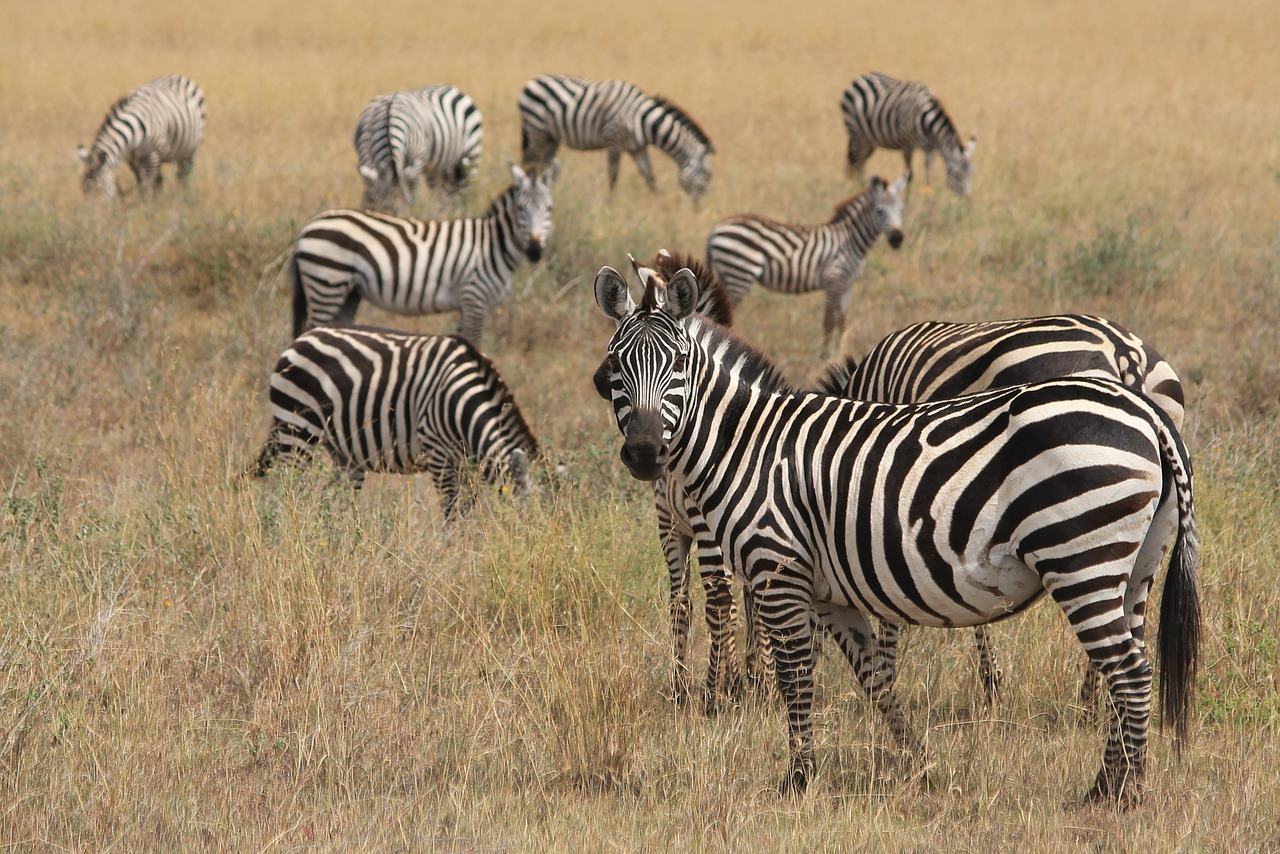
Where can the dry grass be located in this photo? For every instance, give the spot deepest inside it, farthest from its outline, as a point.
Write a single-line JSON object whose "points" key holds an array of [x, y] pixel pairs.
{"points": [[185, 663]]}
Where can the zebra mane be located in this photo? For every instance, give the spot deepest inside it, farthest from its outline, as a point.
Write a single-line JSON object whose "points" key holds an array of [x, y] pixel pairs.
{"points": [[736, 355], [685, 119], [850, 201], [836, 378], [713, 301], [493, 378]]}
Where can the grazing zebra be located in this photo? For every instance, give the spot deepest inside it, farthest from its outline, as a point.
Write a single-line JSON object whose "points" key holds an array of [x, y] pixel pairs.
{"points": [[411, 266], [383, 401], [936, 360], [679, 524], [433, 132], [881, 112], [159, 122], [955, 513], [797, 259], [617, 116]]}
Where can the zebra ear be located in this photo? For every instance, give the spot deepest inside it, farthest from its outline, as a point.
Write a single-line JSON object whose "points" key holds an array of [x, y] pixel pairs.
{"points": [[877, 183], [518, 175], [899, 185], [968, 149], [83, 152], [612, 294], [682, 294]]}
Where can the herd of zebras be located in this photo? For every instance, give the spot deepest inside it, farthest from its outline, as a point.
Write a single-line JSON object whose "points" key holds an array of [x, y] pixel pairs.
{"points": [[950, 478]]}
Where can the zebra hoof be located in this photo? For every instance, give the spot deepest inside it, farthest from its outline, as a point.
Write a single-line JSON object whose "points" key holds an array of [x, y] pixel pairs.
{"points": [[1122, 793], [796, 780]]}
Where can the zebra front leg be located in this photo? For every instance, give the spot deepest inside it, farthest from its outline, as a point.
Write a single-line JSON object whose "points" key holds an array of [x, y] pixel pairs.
{"points": [[833, 317], [784, 605], [888, 636], [615, 166], [675, 549], [184, 170], [724, 679], [473, 310], [758, 662], [641, 158]]}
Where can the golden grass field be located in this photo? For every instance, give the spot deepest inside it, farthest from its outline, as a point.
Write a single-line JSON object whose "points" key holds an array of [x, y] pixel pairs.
{"points": [[187, 662]]}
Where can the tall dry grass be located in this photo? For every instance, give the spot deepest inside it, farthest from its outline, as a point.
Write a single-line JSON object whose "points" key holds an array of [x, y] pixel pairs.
{"points": [[188, 662]]}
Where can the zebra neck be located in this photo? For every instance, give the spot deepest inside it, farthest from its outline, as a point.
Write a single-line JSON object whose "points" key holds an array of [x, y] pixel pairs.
{"points": [[668, 131], [500, 222], [854, 225]]}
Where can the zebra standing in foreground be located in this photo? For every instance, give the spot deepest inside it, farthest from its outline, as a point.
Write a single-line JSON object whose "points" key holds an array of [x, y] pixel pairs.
{"points": [[383, 401], [617, 116], [433, 132], [797, 259], [411, 266], [680, 524], [955, 513], [881, 112], [159, 122]]}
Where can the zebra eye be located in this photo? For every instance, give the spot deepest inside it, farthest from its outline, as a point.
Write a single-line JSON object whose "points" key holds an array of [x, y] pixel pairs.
{"points": [[680, 362]]}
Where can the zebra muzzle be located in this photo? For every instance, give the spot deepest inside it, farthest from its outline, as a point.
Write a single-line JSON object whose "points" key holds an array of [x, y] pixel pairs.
{"points": [[643, 452], [533, 251], [895, 238]]}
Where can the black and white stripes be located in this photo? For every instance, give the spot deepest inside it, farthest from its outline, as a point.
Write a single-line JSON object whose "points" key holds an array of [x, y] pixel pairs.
{"points": [[433, 133], [951, 514], [383, 401], [749, 248], [616, 116], [411, 266], [881, 112], [160, 122]]}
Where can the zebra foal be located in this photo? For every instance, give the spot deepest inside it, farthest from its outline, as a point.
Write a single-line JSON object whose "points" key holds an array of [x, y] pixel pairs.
{"points": [[881, 112], [412, 266], [383, 401], [434, 133], [159, 122], [950, 514], [615, 115], [794, 259]]}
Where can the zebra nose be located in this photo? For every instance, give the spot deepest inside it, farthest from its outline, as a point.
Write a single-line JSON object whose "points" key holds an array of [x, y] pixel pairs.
{"points": [[645, 460], [895, 238], [533, 250]]}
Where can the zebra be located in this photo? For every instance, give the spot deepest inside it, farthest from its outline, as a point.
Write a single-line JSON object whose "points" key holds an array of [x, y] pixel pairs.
{"points": [[679, 524], [953, 513], [936, 360], [617, 116], [159, 122], [384, 401], [434, 132], [411, 266], [796, 259], [881, 112]]}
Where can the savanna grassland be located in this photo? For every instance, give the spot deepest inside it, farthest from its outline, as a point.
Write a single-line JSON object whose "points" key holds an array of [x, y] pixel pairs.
{"points": [[189, 662]]}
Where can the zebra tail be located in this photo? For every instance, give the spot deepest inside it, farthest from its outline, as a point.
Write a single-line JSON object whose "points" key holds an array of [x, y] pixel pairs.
{"points": [[299, 296], [1180, 621]]}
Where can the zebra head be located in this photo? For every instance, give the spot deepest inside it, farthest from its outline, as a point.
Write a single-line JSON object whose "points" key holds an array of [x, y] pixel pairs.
{"points": [[99, 172], [533, 207], [886, 208], [648, 355], [695, 172], [960, 167]]}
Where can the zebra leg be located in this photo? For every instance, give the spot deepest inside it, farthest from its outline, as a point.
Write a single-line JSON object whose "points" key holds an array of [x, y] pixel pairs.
{"points": [[784, 605], [859, 152], [928, 166], [1100, 622], [833, 318], [615, 165], [724, 680], [641, 158], [853, 633], [184, 170], [675, 548], [988, 666], [473, 309], [888, 636], [347, 311], [907, 155], [758, 663]]}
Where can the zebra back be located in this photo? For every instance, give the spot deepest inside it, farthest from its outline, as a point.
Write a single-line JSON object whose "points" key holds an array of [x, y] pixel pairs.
{"points": [[935, 360], [161, 121]]}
